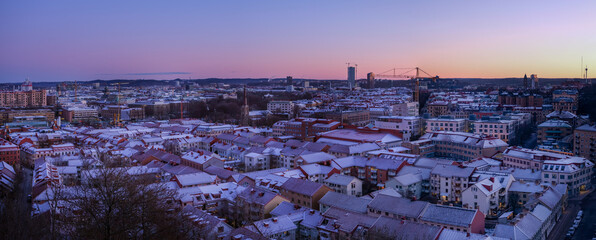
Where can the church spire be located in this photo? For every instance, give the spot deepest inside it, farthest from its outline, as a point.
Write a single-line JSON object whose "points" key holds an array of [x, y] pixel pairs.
{"points": [[244, 116]]}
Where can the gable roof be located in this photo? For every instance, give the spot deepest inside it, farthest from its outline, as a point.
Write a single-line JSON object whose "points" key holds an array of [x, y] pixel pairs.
{"points": [[397, 205], [302, 186], [345, 202], [455, 216]]}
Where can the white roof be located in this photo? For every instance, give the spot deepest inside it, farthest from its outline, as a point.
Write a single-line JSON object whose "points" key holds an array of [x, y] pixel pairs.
{"points": [[195, 178]]}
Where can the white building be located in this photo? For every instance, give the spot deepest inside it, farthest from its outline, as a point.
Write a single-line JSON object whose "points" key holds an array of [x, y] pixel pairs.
{"points": [[408, 185], [502, 129], [408, 125], [576, 172], [406, 109], [348, 185], [280, 106], [484, 196], [256, 161], [446, 124]]}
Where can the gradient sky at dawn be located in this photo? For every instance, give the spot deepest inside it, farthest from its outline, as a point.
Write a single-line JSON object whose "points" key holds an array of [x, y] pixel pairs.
{"points": [[85, 40]]}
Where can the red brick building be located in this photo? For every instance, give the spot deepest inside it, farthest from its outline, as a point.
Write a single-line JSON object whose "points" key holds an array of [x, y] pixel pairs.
{"points": [[9, 152]]}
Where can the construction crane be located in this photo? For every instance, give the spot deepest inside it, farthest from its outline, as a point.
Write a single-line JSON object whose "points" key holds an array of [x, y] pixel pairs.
{"points": [[408, 73], [75, 90], [117, 116], [181, 107]]}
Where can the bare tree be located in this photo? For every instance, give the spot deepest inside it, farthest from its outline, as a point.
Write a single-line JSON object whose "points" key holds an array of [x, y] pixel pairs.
{"points": [[112, 204]]}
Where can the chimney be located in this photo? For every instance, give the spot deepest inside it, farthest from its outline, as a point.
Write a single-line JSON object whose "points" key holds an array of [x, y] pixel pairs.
{"points": [[266, 224], [252, 191], [261, 194], [274, 219], [312, 212]]}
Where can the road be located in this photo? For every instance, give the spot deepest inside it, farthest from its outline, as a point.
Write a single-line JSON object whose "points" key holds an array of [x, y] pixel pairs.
{"points": [[25, 185], [586, 226], [565, 222]]}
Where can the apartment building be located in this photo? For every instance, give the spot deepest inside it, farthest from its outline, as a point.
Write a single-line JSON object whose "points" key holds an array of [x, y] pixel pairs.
{"points": [[446, 124], [345, 184], [406, 109], [31, 98], [380, 170], [553, 131], [464, 146], [9, 152], [355, 117], [79, 113], [449, 181], [565, 100], [584, 141], [487, 196], [304, 192], [280, 106], [501, 129], [254, 204], [576, 172], [9, 115], [303, 128], [213, 130], [518, 157], [438, 108], [409, 126]]}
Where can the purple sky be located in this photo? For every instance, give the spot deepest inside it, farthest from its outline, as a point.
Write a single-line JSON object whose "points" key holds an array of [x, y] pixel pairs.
{"points": [[84, 40]]}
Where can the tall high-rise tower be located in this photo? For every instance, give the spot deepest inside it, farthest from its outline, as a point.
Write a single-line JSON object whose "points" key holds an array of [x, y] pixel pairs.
{"points": [[351, 77], [534, 80], [370, 80], [289, 80], [245, 114], [525, 81]]}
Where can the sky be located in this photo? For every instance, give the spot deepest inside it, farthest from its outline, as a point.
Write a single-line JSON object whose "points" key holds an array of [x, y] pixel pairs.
{"points": [[85, 40]]}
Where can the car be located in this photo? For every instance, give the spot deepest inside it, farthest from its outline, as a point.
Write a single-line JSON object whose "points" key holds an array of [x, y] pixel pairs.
{"points": [[568, 235], [577, 220]]}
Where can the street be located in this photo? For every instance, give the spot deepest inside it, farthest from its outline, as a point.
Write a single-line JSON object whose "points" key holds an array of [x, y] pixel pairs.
{"points": [[586, 226], [565, 222], [25, 185]]}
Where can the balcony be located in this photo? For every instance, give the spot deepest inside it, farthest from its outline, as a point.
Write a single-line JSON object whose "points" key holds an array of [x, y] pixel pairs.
{"points": [[373, 170], [391, 173], [361, 171]]}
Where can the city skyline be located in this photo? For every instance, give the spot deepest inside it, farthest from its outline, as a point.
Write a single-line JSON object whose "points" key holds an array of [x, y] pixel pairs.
{"points": [[70, 40]]}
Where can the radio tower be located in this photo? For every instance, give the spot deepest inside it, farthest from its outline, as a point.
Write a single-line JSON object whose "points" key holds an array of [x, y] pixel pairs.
{"points": [[586, 75]]}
